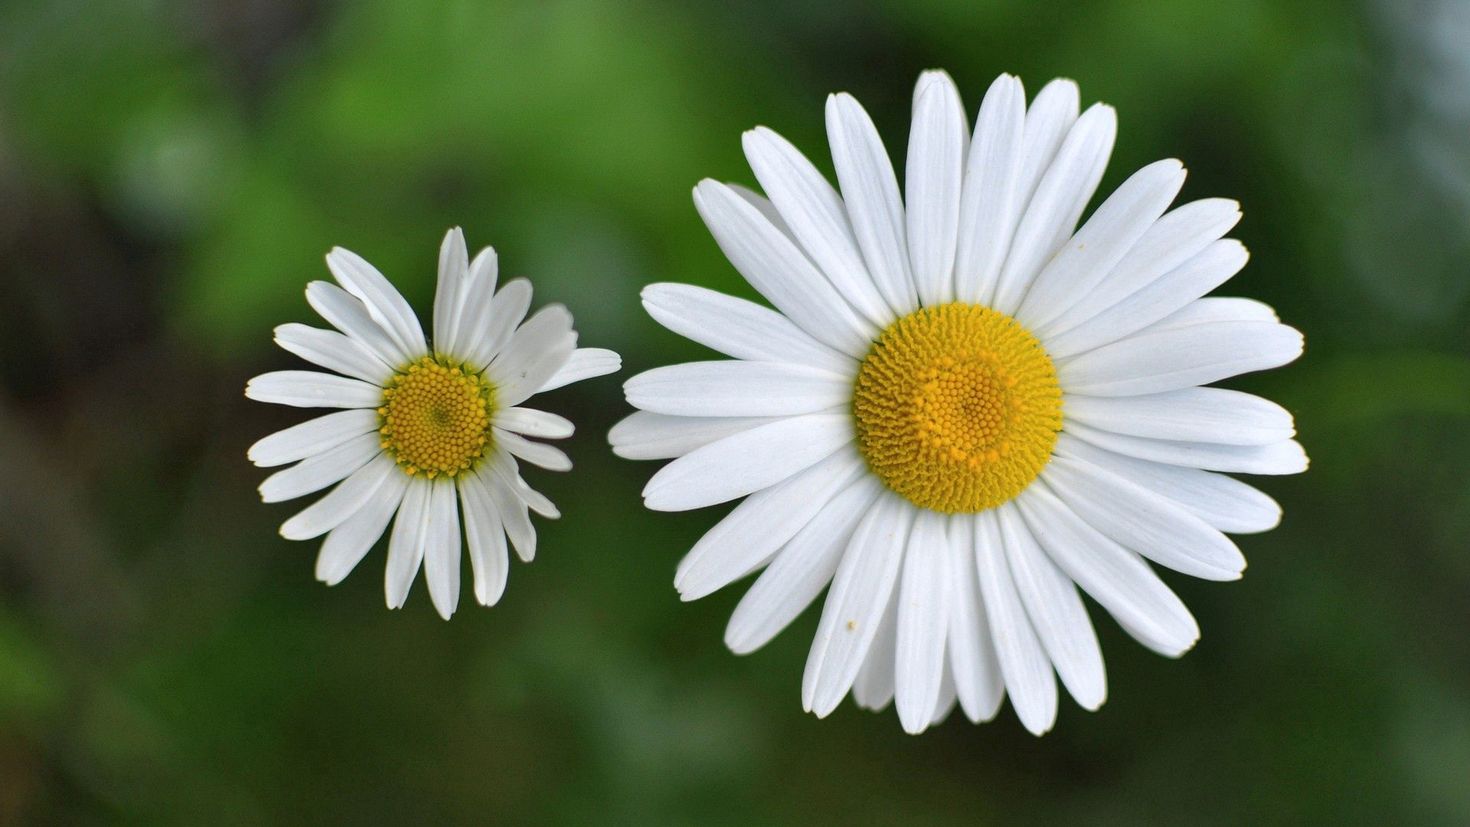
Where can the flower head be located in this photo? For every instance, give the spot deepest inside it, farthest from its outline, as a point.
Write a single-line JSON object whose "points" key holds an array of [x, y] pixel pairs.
{"points": [[422, 426], [963, 407]]}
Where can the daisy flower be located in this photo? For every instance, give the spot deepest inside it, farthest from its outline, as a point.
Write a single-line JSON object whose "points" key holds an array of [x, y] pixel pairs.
{"points": [[963, 408], [421, 425]]}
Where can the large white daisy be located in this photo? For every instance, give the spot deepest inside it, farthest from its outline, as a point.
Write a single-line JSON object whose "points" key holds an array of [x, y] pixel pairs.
{"points": [[961, 410], [422, 424]]}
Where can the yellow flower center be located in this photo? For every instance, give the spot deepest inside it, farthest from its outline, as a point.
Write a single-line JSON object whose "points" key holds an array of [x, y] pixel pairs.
{"points": [[436, 418], [957, 407]]}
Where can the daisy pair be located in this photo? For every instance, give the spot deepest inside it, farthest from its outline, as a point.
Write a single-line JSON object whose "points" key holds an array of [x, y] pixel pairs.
{"points": [[964, 411]]}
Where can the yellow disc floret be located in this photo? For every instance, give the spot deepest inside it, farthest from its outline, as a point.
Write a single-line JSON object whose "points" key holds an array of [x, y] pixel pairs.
{"points": [[957, 407], [436, 418]]}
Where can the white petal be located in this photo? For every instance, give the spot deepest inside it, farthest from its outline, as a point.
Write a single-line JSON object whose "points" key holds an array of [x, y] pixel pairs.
{"points": [[317, 472], [737, 388], [441, 548], [1163, 296], [990, 204], [406, 544], [870, 193], [764, 206], [1223, 502], [933, 179], [584, 363], [1023, 660], [1216, 309], [502, 484], [539, 454], [873, 687], [814, 212], [534, 354], [311, 389], [774, 266], [491, 333], [489, 558], [473, 310], [1049, 119], [1056, 612], [349, 542], [531, 422], [536, 501], [747, 461], [1188, 414], [738, 328], [384, 303], [341, 502], [1113, 576], [923, 622], [1090, 254], [1052, 212], [855, 604], [1181, 234], [643, 435], [979, 684], [800, 570], [454, 265], [748, 536], [947, 697], [1166, 360], [344, 312], [333, 351], [1144, 522], [1285, 457], [312, 437]]}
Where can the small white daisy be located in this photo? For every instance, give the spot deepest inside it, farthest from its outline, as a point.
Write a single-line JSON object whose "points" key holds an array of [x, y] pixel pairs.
{"points": [[422, 424], [961, 410]]}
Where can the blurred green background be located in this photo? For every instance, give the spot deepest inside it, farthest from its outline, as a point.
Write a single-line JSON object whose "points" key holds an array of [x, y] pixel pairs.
{"points": [[171, 174]]}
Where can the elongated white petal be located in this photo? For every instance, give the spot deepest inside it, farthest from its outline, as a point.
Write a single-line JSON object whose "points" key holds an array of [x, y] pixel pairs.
{"points": [[1223, 502], [748, 536], [406, 544], [494, 330], [1049, 120], [855, 604], [537, 453], [340, 503], [333, 351], [800, 570], [501, 484], [1056, 612], [1052, 212], [1181, 234], [923, 622], [534, 354], [489, 558], [813, 211], [1284, 457], [1215, 309], [933, 180], [643, 435], [1179, 358], [584, 363], [738, 328], [531, 422], [319, 471], [1114, 577], [311, 389], [1187, 414], [870, 193], [979, 684], [1023, 660], [472, 310], [1090, 254], [782, 273], [1162, 297], [384, 303], [441, 548], [312, 437], [990, 203], [349, 542], [346, 313], [454, 265], [1142, 521], [737, 388], [873, 687], [746, 462], [763, 206]]}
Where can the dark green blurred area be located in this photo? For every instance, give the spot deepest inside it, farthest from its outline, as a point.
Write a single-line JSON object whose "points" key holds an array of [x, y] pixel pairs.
{"points": [[171, 174]]}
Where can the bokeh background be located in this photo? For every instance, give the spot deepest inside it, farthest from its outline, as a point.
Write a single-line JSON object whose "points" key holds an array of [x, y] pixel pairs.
{"points": [[172, 172]]}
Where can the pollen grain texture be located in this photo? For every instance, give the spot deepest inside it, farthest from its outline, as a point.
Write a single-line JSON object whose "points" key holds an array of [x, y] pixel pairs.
{"points": [[436, 418]]}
